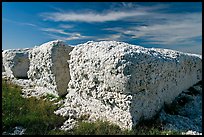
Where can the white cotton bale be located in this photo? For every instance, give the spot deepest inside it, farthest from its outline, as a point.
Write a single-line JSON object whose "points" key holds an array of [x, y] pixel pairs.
{"points": [[16, 62], [125, 83], [49, 66]]}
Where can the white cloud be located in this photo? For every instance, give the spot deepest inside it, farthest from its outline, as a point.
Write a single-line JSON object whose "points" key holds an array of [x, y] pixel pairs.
{"points": [[91, 16], [154, 24], [55, 8], [20, 23], [111, 37], [128, 4], [65, 26], [141, 7], [59, 31], [177, 29], [29, 24], [71, 36], [54, 36]]}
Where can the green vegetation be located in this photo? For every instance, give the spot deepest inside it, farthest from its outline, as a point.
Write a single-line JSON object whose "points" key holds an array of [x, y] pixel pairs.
{"points": [[36, 115], [152, 127], [146, 127], [50, 96], [99, 128]]}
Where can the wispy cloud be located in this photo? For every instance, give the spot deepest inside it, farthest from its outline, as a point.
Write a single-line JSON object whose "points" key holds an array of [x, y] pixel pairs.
{"points": [[20, 23], [65, 26], [116, 37], [140, 7], [56, 8], [91, 16], [29, 24], [58, 31], [54, 32], [67, 36], [77, 36], [53, 36], [127, 4], [177, 29]]}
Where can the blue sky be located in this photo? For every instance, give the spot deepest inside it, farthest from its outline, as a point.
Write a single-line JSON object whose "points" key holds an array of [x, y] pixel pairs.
{"points": [[172, 25]]}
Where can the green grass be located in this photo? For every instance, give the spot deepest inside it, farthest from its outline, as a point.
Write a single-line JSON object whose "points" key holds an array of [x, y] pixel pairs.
{"points": [[36, 115], [99, 128], [152, 127], [94, 128], [147, 127]]}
